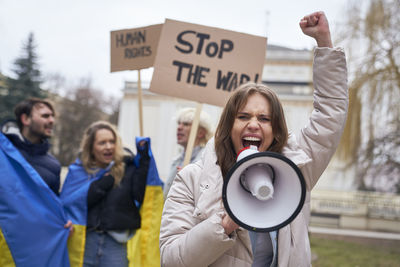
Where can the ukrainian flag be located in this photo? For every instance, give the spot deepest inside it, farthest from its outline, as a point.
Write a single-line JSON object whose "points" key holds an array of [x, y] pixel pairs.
{"points": [[143, 248], [74, 199], [32, 219]]}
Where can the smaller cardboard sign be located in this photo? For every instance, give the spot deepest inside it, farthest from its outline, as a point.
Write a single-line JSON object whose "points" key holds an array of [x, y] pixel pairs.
{"points": [[205, 64], [134, 49]]}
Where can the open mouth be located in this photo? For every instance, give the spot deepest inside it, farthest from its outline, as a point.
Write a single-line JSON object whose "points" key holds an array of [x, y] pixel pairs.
{"points": [[108, 155], [251, 141], [48, 127]]}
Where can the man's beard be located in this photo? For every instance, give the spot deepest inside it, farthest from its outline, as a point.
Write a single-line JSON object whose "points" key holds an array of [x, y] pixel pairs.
{"points": [[35, 130]]}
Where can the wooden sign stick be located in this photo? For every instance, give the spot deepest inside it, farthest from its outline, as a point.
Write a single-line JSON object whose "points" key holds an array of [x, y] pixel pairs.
{"points": [[140, 105], [193, 134]]}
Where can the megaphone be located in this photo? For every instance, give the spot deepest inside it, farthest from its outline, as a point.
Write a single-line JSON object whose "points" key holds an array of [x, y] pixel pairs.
{"points": [[263, 191]]}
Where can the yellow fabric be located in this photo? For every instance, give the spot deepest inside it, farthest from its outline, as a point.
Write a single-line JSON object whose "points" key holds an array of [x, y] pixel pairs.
{"points": [[6, 260], [143, 248], [76, 245]]}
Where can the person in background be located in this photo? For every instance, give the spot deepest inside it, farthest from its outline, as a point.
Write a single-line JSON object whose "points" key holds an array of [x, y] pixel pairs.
{"points": [[114, 198], [195, 228], [30, 188], [30, 133], [204, 133]]}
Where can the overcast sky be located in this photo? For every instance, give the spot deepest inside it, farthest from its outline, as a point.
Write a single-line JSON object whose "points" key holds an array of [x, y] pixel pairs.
{"points": [[73, 37]]}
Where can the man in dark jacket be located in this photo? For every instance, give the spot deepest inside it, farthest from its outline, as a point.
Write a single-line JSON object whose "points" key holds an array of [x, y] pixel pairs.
{"points": [[32, 213], [29, 134]]}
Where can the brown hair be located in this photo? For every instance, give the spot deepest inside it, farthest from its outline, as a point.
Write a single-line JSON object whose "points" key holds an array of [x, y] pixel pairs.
{"points": [[26, 106], [226, 155], [87, 157]]}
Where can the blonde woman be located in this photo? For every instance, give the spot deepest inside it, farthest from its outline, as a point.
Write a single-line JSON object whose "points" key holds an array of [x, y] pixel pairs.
{"points": [[115, 191]]}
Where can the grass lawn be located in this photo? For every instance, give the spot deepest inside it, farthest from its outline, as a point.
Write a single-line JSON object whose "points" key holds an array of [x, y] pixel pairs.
{"points": [[338, 253]]}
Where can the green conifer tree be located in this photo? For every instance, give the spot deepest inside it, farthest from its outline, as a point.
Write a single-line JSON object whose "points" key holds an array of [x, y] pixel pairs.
{"points": [[26, 82]]}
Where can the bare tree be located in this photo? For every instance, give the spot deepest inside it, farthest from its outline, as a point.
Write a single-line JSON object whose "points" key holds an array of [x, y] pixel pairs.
{"points": [[81, 106], [372, 135], [55, 83], [113, 103]]}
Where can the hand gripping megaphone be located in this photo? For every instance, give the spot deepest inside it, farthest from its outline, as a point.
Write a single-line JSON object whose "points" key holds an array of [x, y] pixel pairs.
{"points": [[263, 191]]}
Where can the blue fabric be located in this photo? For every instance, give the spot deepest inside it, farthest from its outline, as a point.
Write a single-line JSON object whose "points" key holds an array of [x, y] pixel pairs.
{"points": [[74, 199], [77, 182], [31, 215], [38, 157], [101, 250], [152, 177], [74, 191]]}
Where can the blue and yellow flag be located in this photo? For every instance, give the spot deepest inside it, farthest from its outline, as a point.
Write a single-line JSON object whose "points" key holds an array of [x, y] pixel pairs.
{"points": [[74, 199], [32, 219], [143, 248]]}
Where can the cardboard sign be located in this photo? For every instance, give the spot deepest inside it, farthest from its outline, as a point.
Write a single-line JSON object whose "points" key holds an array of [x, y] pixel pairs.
{"points": [[205, 64], [134, 49]]}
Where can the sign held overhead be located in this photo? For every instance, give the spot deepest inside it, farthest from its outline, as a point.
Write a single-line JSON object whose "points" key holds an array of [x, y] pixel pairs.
{"points": [[205, 64], [134, 49]]}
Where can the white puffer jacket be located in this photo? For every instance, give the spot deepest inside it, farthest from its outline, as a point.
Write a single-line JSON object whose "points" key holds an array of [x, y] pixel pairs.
{"points": [[191, 233]]}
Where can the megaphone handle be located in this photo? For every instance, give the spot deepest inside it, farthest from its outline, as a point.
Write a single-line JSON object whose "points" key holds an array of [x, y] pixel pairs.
{"points": [[228, 224]]}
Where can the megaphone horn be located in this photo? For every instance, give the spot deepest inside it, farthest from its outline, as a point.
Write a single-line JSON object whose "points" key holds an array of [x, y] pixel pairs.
{"points": [[258, 180], [263, 191]]}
